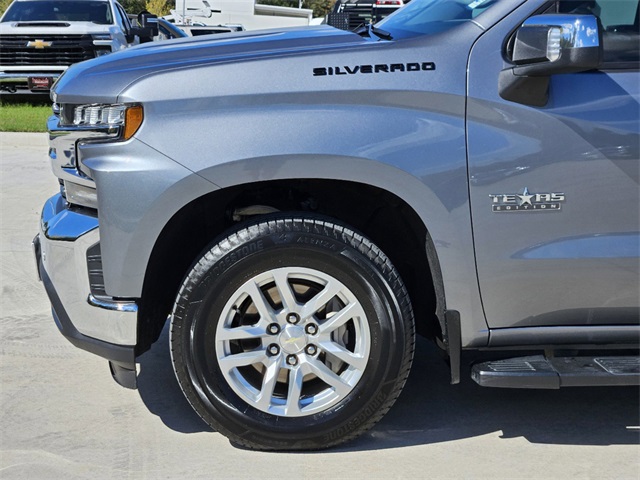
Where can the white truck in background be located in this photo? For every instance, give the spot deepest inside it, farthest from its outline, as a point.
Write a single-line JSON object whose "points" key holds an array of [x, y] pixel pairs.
{"points": [[40, 39], [251, 14]]}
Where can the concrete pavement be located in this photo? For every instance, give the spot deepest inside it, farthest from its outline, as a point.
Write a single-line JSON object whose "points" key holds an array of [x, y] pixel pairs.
{"points": [[63, 417]]}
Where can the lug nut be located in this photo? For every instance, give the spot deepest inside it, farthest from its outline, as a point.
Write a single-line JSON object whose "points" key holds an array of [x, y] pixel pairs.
{"points": [[311, 350], [293, 318], [311, 329], [292, 360], [273, 349], [273, 329]]}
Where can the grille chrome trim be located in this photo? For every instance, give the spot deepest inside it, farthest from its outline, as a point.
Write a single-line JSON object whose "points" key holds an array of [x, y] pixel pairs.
{"points": [[63, 151]]}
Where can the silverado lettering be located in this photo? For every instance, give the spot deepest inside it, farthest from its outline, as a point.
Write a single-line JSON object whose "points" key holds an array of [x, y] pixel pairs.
{"points": [[379, 68]]}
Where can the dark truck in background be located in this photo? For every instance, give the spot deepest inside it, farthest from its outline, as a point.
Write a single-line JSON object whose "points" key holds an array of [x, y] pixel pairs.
{"points": [[355, 14], [300, 202]]}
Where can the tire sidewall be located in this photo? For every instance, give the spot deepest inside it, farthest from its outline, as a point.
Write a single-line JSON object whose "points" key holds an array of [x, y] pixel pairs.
{"points": [[240, 257]]}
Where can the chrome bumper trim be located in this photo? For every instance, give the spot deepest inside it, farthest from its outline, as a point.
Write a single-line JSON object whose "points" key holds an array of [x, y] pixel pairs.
{"points": [[113, 305], [17, 82], [60, 223], [23, 77], [65, 236]]}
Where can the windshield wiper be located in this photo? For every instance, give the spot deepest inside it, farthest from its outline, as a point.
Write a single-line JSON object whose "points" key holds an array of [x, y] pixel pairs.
{"points": [[369, 28]]}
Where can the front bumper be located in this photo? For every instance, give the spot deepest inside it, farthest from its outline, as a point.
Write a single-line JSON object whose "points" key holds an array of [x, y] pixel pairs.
{"points": [[98, 324], [23, 82]]}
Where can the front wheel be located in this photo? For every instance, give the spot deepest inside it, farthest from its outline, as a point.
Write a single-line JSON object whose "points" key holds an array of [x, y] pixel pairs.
{"points": [[292, 333]]}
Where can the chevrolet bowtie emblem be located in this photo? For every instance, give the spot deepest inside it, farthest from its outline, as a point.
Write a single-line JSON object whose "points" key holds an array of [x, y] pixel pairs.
{"points": [[39, 44]]}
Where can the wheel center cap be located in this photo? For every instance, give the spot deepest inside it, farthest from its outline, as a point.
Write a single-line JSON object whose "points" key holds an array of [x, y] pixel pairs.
{"points": [[292, 339]]}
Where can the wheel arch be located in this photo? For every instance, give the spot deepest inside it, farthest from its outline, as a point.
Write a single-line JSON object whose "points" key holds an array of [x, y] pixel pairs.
{"points": [[387, 219]]}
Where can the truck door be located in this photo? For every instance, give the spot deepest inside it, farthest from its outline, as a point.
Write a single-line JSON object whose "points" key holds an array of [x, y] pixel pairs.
{"points": [[125, 37], [555, 188]]}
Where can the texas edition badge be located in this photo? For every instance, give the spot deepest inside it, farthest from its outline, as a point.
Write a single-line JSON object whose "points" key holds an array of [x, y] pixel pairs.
{"points": [[526, 202]]}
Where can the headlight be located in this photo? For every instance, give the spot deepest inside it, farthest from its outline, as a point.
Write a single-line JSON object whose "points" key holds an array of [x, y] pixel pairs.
{"points": [[127, 116], [102, 51], [99, 115]]}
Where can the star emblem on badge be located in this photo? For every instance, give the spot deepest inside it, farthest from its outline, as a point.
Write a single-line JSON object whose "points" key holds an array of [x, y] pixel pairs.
{"points": [[525, 197]]}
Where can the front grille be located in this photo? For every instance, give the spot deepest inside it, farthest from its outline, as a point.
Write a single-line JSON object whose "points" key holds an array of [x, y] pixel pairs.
{"points": [[64, 49]]}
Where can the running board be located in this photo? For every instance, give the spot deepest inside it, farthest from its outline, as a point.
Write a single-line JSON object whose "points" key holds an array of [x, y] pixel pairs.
{"points": [[555, 372]]}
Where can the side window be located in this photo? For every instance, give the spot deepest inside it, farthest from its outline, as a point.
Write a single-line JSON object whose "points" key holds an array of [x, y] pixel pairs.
{"points": [[121, 19], [125, 18], [620, 25]]}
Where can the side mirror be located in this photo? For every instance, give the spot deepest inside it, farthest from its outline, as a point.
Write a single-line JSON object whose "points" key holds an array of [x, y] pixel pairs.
{"points": [[148, 27], [546, 45]]}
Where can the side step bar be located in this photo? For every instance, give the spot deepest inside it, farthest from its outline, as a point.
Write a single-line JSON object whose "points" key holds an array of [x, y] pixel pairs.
{"points": [[541, 372]]}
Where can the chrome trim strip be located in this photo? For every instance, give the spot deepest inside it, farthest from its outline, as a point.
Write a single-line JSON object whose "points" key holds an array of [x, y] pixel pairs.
{"points": [[63, 147], [34, 69], [23, 77], [113, 305]]}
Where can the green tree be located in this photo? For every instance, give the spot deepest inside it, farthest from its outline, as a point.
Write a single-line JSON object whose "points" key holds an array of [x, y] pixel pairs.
{"points": [[280, 3], [158, 7], [320, 7], [133, 6], [4, 4]]}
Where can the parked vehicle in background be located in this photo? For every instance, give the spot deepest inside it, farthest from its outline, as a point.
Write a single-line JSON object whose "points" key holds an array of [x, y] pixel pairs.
{"points": [[168, 31], [354, 14], [250, 13], [301, 201], [198, 30], [39, 39]]}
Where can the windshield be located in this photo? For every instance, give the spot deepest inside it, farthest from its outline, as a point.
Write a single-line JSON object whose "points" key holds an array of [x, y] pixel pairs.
{"points": [[432, 16], [60, 11]]}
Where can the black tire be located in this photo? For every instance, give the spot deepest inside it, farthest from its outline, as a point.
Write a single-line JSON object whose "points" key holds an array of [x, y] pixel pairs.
{"points": [[324, 399]]}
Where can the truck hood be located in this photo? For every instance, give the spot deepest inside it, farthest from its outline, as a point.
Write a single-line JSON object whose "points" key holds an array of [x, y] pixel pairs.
{"points": [[102, 79], [52, 28]]}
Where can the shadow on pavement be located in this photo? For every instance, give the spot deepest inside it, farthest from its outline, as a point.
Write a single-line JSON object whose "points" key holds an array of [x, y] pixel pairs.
{"points": [[160, 392], [432, 411]]}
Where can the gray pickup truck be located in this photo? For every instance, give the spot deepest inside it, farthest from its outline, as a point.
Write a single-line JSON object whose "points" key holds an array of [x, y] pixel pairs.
{"points": [[300, 203]]}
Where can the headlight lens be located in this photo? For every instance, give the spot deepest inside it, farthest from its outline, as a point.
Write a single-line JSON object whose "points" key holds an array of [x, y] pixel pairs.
{"points": [[128, 116], [99, 115]]}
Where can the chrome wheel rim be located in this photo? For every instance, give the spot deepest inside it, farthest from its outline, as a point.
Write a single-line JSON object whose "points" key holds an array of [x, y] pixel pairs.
{"points": [[292, 341]]}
